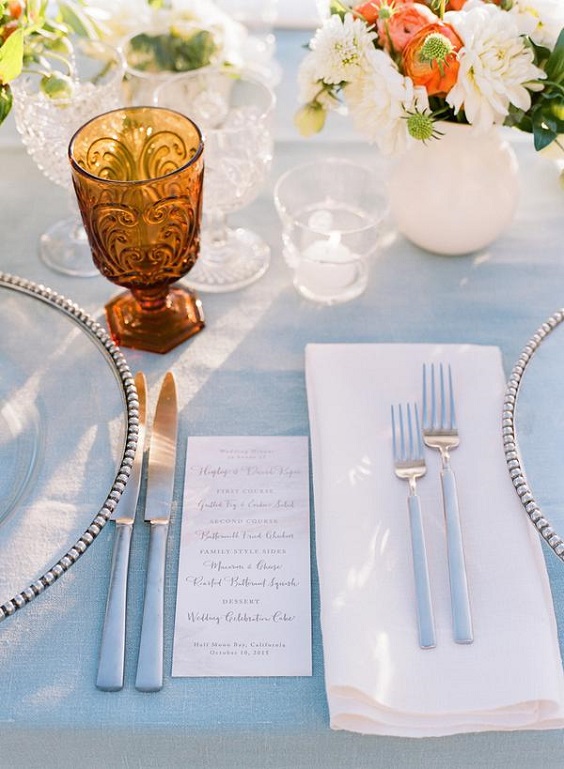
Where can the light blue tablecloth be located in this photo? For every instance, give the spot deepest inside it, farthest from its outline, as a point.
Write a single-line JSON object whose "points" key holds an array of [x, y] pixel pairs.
{"points": [[50, 711]]}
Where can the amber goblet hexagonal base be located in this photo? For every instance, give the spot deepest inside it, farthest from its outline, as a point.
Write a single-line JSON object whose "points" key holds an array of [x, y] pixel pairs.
{"points": [[158, 330]]}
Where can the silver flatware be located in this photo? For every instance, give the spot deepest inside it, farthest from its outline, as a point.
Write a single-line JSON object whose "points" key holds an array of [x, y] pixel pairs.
{"points": [[112, 648], [410, 465], [440, 431], [160, 485]]}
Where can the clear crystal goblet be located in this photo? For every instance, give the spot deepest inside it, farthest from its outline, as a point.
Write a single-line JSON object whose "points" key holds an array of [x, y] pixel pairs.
{"points": [[46, 124], [235, 113]]}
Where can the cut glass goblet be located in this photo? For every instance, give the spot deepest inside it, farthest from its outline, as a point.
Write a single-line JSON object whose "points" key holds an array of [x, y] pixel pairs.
{"points": [[235, 114], [46, 124]]}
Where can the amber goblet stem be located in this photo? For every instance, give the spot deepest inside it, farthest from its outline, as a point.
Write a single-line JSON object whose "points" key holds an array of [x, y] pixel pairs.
{"points": [[152, 299]]}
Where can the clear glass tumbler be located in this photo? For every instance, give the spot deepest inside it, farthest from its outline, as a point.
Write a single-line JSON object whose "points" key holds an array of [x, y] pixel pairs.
{"points": [[331, 212]]}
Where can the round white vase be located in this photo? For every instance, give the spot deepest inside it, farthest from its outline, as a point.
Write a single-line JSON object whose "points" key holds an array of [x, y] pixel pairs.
{"points": [[456, 194]]}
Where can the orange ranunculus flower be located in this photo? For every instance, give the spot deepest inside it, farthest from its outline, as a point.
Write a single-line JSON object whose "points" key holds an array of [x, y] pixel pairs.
{"points": [[395, 32], [370, 11], [430, 59]]}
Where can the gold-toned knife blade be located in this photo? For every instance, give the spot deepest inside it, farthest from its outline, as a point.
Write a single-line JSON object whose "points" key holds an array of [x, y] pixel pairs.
{"points": [[158, 504], [112, 648], [162, 454]]}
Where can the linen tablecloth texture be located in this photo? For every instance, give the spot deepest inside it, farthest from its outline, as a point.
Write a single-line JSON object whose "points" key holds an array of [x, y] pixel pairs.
{"points": [[378, 680]]}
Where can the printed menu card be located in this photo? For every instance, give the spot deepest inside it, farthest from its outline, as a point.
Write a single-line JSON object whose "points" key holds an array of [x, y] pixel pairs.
{"points": [[243, 604]]}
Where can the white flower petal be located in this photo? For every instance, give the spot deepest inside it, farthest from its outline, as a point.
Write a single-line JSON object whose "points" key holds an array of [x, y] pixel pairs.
{"points": [[542, 20], [340, 49], [378, 104], [495, 65]]}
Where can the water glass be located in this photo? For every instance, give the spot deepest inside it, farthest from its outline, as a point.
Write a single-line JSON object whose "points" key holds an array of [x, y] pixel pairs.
{"points": [[154, 55], [235, 113], [46, 124], [331, 212]]}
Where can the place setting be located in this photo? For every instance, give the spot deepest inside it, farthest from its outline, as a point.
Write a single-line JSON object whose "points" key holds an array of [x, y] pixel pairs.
{"points": [[413, 649], [295, 465]]}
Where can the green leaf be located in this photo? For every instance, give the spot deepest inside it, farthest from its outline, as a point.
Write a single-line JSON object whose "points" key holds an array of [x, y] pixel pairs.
{"points": [[555, 63], [5, 102], [542, 138], [545, 128], [11, 57], [75, 19], [171, 52]]}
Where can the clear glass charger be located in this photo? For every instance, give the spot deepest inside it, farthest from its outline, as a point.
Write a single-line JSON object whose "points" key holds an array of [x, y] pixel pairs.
{"points": [[533, 430], [68, 432]]}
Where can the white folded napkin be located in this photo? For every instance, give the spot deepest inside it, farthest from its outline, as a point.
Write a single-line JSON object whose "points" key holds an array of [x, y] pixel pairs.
{"points": [[378, 680]]}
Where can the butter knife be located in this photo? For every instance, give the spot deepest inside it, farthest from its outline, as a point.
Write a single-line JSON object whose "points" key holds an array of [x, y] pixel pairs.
{"points": [[160, 485], [112, 649]]}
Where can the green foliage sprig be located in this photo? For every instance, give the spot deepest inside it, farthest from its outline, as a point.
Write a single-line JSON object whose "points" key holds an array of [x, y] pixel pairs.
{"points": [[545, 118], [34, 39]]}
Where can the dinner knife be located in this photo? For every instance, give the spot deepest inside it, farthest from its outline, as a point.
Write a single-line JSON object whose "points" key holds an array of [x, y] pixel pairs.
{"points": [[160, 485], [112, 649]]}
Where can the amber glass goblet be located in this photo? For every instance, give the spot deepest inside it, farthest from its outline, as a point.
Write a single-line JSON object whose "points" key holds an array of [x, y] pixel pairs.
{"points": [[137, 174]]}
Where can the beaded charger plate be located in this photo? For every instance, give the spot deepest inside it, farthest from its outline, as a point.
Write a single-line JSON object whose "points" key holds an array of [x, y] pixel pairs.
{"points": [[68, 432], [533, 430]]}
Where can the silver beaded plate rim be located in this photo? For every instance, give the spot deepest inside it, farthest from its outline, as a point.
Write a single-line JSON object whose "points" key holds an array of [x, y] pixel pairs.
{"points": [[511, 448], [119, 364]]}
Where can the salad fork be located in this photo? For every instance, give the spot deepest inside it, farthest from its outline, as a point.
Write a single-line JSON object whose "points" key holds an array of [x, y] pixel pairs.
{"points": [[440, 432], [410, 465]]}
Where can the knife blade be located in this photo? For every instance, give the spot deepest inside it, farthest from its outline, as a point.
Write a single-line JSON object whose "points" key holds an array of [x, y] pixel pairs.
{"points": [[160, 485], [112, 648]]}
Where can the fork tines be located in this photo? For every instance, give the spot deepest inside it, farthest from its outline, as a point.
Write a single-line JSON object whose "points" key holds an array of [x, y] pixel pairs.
{"points": [[443, 418], [411, 448]]}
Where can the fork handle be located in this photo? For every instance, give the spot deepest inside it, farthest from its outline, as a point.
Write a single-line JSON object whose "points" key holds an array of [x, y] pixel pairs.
{"points": [[425, 619], [460, 601]]}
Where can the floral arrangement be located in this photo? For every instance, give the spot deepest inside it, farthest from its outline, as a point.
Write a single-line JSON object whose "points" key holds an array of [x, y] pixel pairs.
{"points": [[170, 35], [399, 66], [36, 38], [35, 35]]}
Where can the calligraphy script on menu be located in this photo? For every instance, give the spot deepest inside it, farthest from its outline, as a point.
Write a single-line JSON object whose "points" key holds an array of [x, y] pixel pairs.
{"points": [[243, 603]]}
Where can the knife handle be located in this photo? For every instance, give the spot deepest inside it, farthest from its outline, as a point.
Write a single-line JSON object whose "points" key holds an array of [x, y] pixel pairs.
{"points": [[150, 662], [112, 649]]}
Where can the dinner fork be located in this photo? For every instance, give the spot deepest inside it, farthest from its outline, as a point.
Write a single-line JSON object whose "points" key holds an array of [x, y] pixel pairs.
{"points": [[440, 431], [407, 443]]}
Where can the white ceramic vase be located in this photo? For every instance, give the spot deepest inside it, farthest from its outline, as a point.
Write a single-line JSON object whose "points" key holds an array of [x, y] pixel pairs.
{"points": [[457, 194]]}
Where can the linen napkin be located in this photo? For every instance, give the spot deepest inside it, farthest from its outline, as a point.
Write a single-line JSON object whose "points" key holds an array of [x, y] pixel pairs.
{"points": [[378, 680]]}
